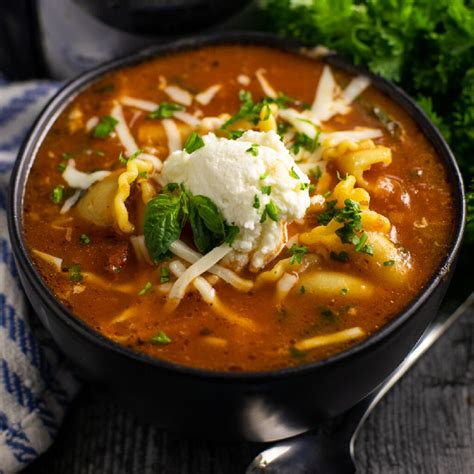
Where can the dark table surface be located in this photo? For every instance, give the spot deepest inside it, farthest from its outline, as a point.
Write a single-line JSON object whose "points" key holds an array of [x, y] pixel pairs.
{"points": [[424, 425]]}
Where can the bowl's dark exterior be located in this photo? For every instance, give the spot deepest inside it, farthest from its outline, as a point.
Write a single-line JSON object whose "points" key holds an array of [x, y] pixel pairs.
{"points": [[256, 406]]}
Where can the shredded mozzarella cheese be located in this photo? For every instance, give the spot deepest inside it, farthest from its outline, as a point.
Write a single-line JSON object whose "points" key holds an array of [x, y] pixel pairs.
{"points": [[79, 180], [179, 95], [205, 97], [265, 85], [173, 135]]}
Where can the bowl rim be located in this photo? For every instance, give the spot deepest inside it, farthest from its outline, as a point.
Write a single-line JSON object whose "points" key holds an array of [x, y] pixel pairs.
{"points": [[49, 114]]}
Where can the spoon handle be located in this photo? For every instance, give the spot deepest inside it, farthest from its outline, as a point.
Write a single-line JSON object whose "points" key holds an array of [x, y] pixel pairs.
{"points": [[443, 321]]}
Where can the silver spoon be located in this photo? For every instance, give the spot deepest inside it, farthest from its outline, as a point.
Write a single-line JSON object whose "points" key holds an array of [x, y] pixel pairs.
{"points": [[330, 450]]}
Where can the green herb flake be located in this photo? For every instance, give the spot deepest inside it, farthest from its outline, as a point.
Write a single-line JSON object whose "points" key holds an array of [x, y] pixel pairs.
{"points": [[389, 263], [296, 353], [272, 211], [344, 291], [165, 110], [57, 195], [164, 275], [61, 167], [327, 194], [304, 186], [67, 156], [302, 290], [234, 134], [263, 176], [74, 273], [145, 289], [315, 173], [105, 127], [256, 202], [293, 173], [84, 239], [326, 312], [161, 338], [342, 256], [193, 143], [231, 232], [253, 150], [267, 190], [297, 252]]}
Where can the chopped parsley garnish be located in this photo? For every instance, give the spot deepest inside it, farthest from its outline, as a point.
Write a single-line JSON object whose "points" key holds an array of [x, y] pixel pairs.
{"points": [[193, 143], [124, 160], [231, 231], [74, 273], [67, 156], [170, 187], [315, 173], [161, 338], [296, 353], [165, 110], [234, 134], [253, 150], [344, 291], [304, 186], [302, 289], [164, 275], [389, 263], [272, 211], [350, 216], [293, 173], [263, 176], [256, 202], [61, 167], [84, 239], [282, 128], [57, 194], [342, 256], [302, 140], [297, 253], [145, 289], [267, 190], [105, 127], [327, 194]]}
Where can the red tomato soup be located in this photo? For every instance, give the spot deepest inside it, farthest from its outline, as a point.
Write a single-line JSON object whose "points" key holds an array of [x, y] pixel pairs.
{"points": [[236, 208]]}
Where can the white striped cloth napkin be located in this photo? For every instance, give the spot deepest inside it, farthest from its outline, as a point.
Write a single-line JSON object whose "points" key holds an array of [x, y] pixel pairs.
{"points": [[36, 384]]}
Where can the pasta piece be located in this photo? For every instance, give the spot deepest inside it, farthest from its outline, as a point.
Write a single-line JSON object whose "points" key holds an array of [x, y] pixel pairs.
{"points": [[96, 205], [345, 190], [355, 159], [329, 284], [134, 167], [327, 339]]}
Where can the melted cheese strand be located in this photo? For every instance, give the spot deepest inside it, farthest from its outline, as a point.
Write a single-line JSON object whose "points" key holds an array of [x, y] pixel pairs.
{"points": [[198, 268], [179, 95], [141, 104], [70, 202], [205, 97], [327, 339], [122, 130], [51, 259], [180, 249], [208, 294], [264, 84], [173, 135], [79, 180]]}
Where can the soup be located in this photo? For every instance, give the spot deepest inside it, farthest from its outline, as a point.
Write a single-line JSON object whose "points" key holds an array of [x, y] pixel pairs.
{"points": [[236, 208]]}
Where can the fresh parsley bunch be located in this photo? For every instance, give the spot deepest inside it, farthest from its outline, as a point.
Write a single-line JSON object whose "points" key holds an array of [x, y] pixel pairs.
{"points": [[425, 46]]}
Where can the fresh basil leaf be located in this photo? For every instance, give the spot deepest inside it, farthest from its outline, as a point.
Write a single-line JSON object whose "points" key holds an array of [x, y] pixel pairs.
{"points": [[163, 223], [209, 213], [231, 232], [203, 239]]}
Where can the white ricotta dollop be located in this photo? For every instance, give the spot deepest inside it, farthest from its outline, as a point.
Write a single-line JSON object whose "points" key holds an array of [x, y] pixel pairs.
{"points": [[235, 179]]}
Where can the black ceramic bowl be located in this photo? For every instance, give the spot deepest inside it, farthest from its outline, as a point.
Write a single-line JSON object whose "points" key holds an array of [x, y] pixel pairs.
{"points": [[261, 406]]}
